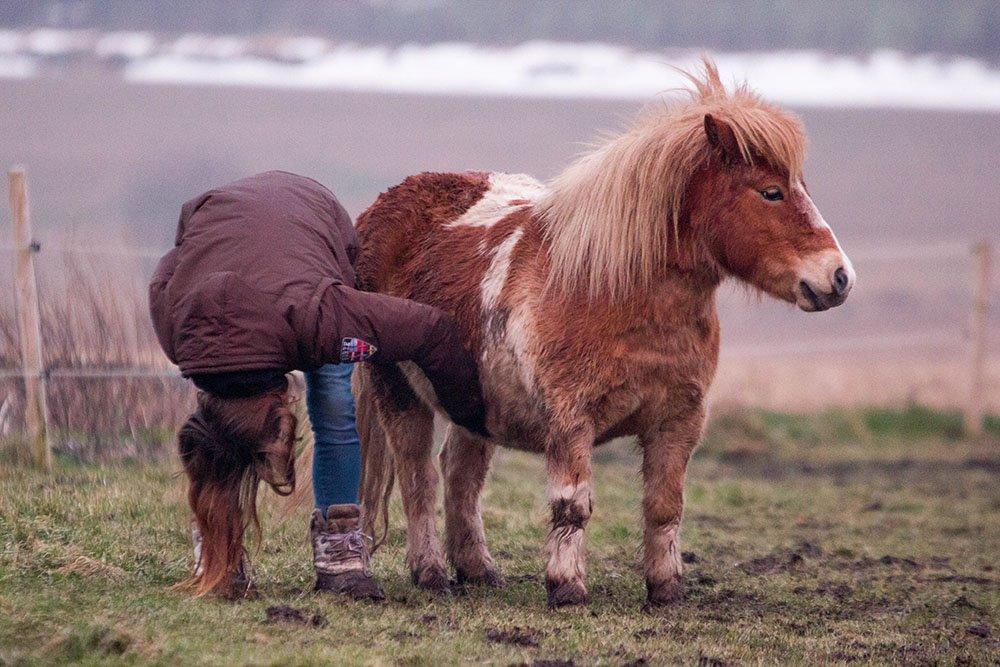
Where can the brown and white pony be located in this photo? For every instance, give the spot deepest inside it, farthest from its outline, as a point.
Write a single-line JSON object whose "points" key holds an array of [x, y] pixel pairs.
{"points": [[590, 304]]}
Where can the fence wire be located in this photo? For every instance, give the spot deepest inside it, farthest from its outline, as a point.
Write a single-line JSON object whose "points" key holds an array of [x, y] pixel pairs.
{"points": [[923, 339]]}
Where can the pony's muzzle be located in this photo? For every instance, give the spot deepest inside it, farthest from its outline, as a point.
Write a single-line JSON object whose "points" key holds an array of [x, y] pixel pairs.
{"points": [[826, 285], [814, 296]]}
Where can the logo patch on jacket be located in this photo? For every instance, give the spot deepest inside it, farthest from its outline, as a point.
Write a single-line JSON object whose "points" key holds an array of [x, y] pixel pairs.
{"points": [[353, 350]]}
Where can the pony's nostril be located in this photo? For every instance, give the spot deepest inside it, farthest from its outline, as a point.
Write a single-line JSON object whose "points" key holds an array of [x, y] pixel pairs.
{"points": [[840, 281]]}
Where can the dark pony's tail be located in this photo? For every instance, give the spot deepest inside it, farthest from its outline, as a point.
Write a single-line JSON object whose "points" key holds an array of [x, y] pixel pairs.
{"points": [[227, 447]]}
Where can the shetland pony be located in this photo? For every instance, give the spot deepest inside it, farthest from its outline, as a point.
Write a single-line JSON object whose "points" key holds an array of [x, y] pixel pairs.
{"points": [[590, 304]]}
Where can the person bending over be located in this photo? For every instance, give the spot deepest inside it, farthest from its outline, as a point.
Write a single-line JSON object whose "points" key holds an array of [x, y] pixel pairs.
{"points": [[261, 282]]}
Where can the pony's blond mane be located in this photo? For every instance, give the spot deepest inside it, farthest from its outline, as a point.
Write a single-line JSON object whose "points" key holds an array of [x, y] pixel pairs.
{"points": [[610, 216]]}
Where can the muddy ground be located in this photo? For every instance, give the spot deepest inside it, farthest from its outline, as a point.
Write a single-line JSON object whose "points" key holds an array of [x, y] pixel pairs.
{"points": [[840, 538]]}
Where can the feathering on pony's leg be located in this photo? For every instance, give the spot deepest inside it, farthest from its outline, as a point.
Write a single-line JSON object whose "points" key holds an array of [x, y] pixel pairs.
{"points": [[465, 460], [568, 454], [664, 462]]}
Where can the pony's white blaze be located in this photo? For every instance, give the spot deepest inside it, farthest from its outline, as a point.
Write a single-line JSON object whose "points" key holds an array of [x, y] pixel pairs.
{"points": [[818, 269], [805, 204], [506, 194], [496, 275]]}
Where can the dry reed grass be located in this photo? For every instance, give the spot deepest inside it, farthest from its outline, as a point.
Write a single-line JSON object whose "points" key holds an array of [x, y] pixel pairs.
{"points": [[95, 318]]}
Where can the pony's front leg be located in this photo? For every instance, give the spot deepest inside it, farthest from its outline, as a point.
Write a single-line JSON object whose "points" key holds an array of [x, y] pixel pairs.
{"points": [[665, 459], [568, 453]]}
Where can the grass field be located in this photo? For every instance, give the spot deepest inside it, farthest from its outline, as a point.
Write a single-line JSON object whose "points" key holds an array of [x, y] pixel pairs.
{"points": [[870, 536]]}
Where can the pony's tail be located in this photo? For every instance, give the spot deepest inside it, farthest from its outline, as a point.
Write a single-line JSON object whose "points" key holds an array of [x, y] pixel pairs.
{"points": [[227, 447], [305, 449], [377, 466]]}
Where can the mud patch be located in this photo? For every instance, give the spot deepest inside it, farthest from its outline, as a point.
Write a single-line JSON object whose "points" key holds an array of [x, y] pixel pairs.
{"points": [[962, 602], [979, 630], [74, 644], [887, 561], [840, 592], [964, 579], [772, 564], [782, 560], [515, 636], [698, 579], [282, 613]]}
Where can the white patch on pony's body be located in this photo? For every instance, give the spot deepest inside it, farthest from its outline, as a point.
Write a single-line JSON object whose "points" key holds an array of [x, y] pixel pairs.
{"points": [[495, 204], [496, 275], [519, 328], [507, 372]]}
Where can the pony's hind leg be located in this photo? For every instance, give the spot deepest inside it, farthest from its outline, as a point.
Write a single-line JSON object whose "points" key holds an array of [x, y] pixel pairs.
{"points": [[465, 460], [568, 453], [665, 459], [409, 428]]}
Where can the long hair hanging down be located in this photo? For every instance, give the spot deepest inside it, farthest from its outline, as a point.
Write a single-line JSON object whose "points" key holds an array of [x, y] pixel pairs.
{"points": [[227, 447], [611, 216]]}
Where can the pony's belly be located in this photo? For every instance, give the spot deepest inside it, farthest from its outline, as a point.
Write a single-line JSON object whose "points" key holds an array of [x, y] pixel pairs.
{"points": [[516, 414], [515, 411], [513, 418]]}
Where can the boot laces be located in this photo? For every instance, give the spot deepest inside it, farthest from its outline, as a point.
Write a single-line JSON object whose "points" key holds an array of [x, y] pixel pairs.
{"points": [[345, 547]]}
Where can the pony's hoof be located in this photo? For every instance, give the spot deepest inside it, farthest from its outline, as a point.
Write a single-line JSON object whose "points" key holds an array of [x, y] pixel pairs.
{"points": [[566, 593], [430, 579], [489, 577], [664, 593]]}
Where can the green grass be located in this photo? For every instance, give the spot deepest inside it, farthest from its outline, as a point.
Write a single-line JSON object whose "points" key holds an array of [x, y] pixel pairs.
{"points": [[869, 536]]}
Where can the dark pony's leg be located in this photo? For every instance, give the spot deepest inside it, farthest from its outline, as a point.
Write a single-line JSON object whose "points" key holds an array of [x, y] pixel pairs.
{"points": [[665, 458], [568, 452], [465, 460], [408, 425]]}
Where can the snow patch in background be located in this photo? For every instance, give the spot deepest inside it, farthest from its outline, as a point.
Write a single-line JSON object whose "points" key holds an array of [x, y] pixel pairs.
{"points": [[17, 67], [131, 45], [534, 69], [542, 69]]}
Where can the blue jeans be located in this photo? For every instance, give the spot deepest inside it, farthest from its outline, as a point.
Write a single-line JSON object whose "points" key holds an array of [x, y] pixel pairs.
{"points": [[337, 452]]}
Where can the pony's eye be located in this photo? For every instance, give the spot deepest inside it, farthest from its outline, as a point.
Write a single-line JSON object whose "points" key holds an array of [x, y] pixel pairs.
{"points": [[772, 194]]}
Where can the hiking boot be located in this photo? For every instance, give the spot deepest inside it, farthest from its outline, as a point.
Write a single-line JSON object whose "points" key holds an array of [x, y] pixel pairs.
{"points": [[242, 584], [341, 553]]}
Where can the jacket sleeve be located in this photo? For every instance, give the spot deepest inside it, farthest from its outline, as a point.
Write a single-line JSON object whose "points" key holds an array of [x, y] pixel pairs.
{"points": [[403, 330], [159, 304]]}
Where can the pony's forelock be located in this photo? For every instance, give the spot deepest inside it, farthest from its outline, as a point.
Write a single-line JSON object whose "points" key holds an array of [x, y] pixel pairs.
{"points": [[613, 215]]}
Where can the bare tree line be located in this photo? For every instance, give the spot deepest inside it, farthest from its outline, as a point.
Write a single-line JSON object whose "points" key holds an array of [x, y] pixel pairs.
{"points": [[960, 27]]}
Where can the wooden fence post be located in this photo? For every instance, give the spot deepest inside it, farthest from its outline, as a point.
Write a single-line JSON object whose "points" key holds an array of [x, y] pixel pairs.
{"points": [[29, 323], [975, 406]]}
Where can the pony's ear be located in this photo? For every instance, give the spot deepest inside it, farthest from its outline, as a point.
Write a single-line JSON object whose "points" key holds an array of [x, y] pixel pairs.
{"points": [[722, 138]]}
